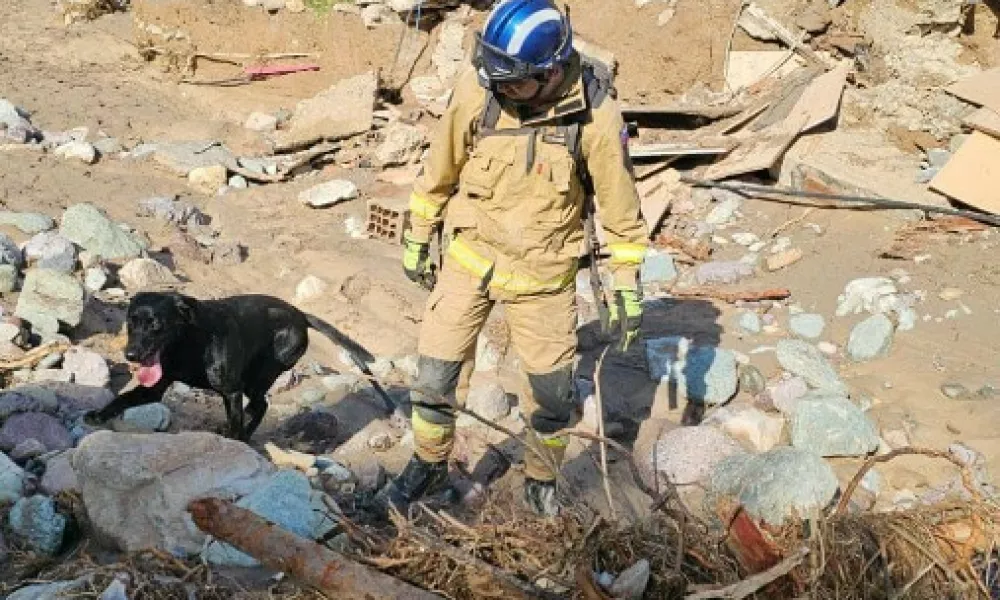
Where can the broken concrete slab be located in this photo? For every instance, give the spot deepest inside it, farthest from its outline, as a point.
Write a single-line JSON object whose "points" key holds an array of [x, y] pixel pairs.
{"points": [[985, 120], [982, 89], [747, 67], [343, 110]]}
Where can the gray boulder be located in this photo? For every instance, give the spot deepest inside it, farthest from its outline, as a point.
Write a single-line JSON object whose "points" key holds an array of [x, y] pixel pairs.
{"points": [[37, 426], [288, 501], [36, 521], [28, 222], [49, 298], [10, 253], [49, 250], [777, 485], [88, 227], [870, 339], [11, 480], [806, 361], [136, 487], [831, 425]]}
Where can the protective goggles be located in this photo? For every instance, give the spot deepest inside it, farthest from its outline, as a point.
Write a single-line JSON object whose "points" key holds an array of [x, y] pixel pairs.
{"points": [[496, 66]]}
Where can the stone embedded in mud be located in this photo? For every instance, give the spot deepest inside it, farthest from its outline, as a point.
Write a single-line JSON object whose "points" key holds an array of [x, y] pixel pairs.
{"points": [[807, 326], [50, 250], [144, 273], [28, 222], [758, 430], [777, 485], [750, 322], [79, 150], [870, 339], [832, 425], [329, 193], [723, 272], [88, 227], [36, 521], [806, 361]]}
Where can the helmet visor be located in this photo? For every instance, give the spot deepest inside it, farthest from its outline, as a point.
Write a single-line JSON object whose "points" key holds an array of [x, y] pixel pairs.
{"points": [[496, 66]]}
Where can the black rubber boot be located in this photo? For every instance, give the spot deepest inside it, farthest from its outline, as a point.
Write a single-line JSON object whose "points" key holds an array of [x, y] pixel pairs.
{"points": [[418, 479], [541, 497]]}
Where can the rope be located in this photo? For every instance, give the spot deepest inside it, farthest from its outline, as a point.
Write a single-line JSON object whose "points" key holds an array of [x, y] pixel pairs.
{"points": [[755, 191]]}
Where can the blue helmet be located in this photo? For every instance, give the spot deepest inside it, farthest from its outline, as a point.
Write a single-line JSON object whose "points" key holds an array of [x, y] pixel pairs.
{"points": [[521, 39]]}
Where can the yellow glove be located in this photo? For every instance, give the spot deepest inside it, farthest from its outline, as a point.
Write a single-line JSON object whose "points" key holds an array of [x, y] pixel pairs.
{"points": [[417, 264], [626, 315]]}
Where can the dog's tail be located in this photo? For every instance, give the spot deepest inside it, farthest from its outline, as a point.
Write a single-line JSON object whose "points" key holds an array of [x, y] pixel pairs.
{"points": [[359, 355], [357, 351]]}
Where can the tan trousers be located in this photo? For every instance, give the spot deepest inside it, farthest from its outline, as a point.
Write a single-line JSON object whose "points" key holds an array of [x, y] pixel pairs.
{"points": [[543, 333]]}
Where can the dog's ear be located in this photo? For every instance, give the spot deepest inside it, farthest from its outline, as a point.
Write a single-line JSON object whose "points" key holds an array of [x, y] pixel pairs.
{"points": [[185, 307]]}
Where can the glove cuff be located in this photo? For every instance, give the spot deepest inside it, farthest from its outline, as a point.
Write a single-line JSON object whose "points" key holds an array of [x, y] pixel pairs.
{"points": [[410, 240]]}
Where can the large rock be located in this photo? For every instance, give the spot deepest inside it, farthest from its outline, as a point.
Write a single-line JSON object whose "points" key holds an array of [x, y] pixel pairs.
{"points": [[136, 487], [170, 209], [24, 399], [288, 501], [144, 273], [786, 393], [777, 485], [36, 521], [11, 480], [807, 326], [9, 278], [870, 339], [344, 110], [703, 374], [806, 361], [88, 367], [10, 253], [88, 227], [37, 426], [16, 126], [49, 298], [831, 425], [687, 455], [50, 250], [400, 145], [28, 222], [208, 180]]}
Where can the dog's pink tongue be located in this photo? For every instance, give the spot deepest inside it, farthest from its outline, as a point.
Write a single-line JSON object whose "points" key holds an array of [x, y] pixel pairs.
{"points": [[151, 371]]}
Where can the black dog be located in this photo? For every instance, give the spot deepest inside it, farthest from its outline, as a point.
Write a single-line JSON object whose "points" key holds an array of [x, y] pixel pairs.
{"points": [[235, 346]]}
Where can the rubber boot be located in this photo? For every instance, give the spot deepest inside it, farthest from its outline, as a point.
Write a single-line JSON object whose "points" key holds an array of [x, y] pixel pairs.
{"points": [[540, 496], [418, 479]]}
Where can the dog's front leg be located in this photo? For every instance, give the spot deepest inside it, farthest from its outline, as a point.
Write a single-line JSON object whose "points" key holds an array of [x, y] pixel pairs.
{"points": [[234, 415], [134, 397]]}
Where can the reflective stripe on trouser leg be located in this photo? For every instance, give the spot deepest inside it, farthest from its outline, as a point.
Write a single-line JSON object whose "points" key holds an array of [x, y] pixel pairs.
{"points": [[548, 413], [433, 416]]}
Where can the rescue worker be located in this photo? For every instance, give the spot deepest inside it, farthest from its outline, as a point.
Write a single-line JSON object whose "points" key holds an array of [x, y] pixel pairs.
{"points": [[526, 135]]}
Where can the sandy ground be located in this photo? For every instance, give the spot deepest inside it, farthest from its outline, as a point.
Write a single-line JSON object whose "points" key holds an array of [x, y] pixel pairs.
{"points": [[90, 75]]}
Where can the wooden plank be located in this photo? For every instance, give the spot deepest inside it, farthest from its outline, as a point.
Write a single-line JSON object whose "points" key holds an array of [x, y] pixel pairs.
{"points": [[985, 120], [972, 174], [674, 149], [982, 89]]}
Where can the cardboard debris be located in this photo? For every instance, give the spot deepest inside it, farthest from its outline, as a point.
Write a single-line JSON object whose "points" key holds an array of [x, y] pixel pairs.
{"points": [[982, 89], [747, 67], [656, 196], [758, 151], [972, 174], [820, 102], [985, 120], [630, 113]]}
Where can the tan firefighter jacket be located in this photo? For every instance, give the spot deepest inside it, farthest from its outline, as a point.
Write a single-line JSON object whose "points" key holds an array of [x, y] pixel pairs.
{"points": [[514, 201]]}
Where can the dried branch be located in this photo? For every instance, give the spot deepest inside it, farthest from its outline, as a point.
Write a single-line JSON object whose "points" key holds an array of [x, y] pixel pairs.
{"points": [[751, 584]]}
